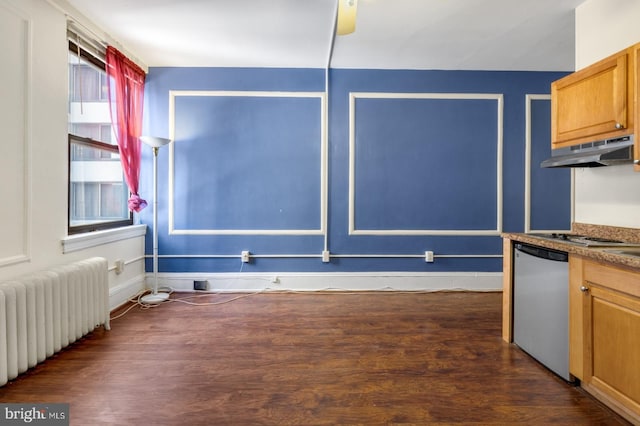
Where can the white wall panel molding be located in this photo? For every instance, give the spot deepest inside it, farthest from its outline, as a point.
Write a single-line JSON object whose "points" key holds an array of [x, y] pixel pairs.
{"points": [[498, 98], [16, 40], [529, 99], [328, 281], [323, 196]]}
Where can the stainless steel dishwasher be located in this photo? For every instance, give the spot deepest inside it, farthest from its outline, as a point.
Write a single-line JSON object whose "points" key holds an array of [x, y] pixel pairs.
{"points": [[541, 306]]}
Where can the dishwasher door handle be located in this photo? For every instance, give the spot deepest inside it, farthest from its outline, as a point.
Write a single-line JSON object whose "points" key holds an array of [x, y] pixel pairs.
{"points": [[542, 252]]}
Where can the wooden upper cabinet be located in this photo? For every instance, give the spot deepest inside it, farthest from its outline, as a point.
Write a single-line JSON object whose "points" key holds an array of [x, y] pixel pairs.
{"points": [[594, 103], [635, 58]]}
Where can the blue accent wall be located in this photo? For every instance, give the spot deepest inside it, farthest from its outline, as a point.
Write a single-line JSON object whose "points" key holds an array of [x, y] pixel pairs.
{"points": [[277, 141], [550, 188], [412, 152], [253, 170]]}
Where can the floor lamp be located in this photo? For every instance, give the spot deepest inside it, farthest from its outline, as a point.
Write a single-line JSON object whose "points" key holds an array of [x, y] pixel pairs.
{"points": [[155, 297]]}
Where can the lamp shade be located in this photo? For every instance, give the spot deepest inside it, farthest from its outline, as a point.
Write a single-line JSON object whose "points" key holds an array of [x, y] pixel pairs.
{"points": [[346, 16], [154, 142]]}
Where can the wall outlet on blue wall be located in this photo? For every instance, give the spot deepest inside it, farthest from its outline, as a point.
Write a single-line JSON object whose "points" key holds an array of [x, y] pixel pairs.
{"points": [[428, 256], [245, 256]]}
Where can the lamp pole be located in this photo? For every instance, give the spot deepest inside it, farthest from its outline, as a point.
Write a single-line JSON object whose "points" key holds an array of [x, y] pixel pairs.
{"points": [[155, 297]]}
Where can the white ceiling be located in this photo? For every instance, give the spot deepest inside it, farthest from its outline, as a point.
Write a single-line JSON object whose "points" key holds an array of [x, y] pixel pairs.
{"points": [[534, 35]]}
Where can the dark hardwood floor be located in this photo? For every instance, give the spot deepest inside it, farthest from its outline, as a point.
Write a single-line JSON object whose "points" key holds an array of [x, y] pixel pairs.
{"points": [[308, 359]]}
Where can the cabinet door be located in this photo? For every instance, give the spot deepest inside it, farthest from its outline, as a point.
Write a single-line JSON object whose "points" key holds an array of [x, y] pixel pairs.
{"points": [[612, 341], [591, 104], [636, 146]]}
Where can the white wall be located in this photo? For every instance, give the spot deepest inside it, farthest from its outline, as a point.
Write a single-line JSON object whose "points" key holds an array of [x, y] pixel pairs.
{"points": [[33, 151], [606, 195], [604, 27]]}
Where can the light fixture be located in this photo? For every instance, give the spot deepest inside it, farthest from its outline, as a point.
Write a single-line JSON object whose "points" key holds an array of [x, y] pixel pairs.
{"points": [[155, 297], [346, 16]]}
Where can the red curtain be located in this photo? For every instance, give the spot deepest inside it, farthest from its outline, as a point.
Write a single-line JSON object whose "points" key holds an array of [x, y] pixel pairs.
{"points": [[126, 95]]}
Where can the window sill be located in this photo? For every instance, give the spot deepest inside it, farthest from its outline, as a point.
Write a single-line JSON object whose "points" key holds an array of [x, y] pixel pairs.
{"points": [[92, 239]]}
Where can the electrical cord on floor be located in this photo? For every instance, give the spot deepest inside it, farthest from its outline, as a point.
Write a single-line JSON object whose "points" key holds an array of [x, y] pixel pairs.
{"points": [[187, 302], [136, 300]]}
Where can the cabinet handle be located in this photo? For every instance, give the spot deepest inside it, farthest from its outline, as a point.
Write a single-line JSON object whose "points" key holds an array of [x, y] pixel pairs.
{"points": [[619, 126], [584, 289]]}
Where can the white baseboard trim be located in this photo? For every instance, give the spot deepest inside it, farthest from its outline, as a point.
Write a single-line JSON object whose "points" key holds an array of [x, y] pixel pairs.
{"points": [[341, 281], [120, 294]]}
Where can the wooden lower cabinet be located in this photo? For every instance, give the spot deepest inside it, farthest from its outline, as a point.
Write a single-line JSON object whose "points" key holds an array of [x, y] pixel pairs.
{"points": [[610, 367]]}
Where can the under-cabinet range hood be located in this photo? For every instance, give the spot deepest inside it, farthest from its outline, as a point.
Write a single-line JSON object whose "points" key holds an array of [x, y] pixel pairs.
{"points": [[593, 154]]}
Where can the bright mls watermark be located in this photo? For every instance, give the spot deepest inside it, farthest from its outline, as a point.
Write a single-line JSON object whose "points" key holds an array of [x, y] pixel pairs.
{"points": [[34, 414]]}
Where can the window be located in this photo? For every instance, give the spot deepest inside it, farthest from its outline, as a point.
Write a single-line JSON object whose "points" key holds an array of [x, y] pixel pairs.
{"points": [[89, 85], [98, 192], [96, 131]]}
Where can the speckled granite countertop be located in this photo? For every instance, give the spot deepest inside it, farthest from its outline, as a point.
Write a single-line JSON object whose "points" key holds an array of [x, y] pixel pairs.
{"points": [[629, 235]]}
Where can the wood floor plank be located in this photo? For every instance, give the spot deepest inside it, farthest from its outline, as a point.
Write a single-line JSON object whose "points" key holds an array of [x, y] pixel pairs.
{"points": [[308, 359]]}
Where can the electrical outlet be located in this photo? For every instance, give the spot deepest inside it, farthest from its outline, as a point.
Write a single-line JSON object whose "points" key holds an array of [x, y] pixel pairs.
{"points": [[428, 256], [119, 266], [202, 285], [326, 256], [245, 256]]}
